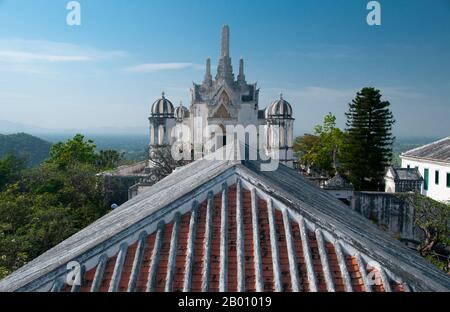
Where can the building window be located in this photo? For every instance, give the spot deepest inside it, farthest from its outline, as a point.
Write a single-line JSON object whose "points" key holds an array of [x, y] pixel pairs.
{"points": [[426, 174], [436, 177], [448, 179]]}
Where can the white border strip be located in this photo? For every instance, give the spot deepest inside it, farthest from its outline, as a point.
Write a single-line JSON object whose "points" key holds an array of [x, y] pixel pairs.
{"points": [[207, 243], [115, 279], [151, 281], [99, 272], [171, 262], [274, 247], [190, 248], [307, 255], [362, 270], [223, 274], [343, 266], [295, 280], [240, 252], [324, 260], [137, 262], [259, 283]]}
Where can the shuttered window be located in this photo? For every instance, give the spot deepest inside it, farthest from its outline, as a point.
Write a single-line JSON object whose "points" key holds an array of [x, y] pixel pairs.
{"points": [[426, 174]]}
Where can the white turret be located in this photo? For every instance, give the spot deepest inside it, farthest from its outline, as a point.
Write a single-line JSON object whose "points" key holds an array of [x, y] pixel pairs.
{"points": [[280, 128]]}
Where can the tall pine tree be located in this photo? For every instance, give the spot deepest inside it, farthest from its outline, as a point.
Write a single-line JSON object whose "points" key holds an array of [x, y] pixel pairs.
{"points": [[368, 148]]}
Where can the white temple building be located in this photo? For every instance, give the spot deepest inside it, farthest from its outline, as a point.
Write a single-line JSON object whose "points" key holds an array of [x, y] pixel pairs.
{"points": [[220, 104]]}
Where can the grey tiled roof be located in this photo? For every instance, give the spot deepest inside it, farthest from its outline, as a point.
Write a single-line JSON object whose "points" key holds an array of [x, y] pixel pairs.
{"points": [[439, 151], [338, 182], [407, 174]]}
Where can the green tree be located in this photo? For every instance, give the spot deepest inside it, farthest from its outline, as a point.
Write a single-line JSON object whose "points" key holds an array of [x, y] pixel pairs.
{"points": [[368, 146], [433, 218], [10, 168], [331, 141], [76, 149], [305, 148], [50, 203], [321, 150], [109, 159]]}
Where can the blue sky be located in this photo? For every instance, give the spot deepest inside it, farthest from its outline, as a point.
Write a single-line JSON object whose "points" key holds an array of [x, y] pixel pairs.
{"points": [[108, 71]]}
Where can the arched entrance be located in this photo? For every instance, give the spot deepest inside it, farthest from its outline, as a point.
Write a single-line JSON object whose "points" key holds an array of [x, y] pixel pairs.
{"points": [[221, 137]]}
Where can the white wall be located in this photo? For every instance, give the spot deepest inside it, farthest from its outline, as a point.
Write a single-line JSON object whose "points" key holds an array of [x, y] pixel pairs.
{"points": [[438, 192], [389, 183]]}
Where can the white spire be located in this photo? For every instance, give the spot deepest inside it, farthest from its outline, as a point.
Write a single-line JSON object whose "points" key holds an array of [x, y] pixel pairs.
{"points": [[241, 76], [225, 46], [208, 77], [224, 68]]}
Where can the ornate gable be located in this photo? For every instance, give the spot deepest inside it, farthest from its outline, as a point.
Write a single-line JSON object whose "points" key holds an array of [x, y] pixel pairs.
{"points": [[221, 112]]}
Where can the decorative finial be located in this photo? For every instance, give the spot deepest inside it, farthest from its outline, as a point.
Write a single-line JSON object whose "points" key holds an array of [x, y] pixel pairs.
{"points": [[241, 76], [281, 95], [181, 103], [163, 94], [225, 44], [208, 76]]}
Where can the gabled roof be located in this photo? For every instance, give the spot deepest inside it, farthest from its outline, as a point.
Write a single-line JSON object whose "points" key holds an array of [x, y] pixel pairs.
{"points": [[338, 182], [227, 225], [437, 151], [407, 174]]}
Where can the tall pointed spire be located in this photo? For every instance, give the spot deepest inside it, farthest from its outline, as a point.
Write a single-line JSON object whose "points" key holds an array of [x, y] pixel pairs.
{"points": [[225, 46], [208, 77], [224, 69], [241, 76]]}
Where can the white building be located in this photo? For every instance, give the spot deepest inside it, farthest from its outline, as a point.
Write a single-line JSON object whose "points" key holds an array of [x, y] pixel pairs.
{"points": [[401, 180], [220, 103], [433, 162]]}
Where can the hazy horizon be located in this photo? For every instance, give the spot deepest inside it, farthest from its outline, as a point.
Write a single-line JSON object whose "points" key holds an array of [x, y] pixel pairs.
{"points": [[107, 72]]}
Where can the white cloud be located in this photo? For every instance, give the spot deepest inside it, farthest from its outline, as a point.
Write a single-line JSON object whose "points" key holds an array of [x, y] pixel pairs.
{"points": [[156, 67], [401, 93], [19, 51], [20, 57]]}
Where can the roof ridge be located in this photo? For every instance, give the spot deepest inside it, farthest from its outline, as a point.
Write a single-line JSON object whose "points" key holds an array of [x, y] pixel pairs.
{"points": [[425, 146]]}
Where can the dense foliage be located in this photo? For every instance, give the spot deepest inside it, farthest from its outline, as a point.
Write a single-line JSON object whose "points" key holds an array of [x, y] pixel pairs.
{"points": [[433, 218], [10, 168], [33, 150], [368, 148], [41, 207], [321, 150]]}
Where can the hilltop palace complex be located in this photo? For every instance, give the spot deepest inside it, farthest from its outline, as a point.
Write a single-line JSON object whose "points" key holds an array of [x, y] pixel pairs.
{"points": [[218, 104], [226, 225]]}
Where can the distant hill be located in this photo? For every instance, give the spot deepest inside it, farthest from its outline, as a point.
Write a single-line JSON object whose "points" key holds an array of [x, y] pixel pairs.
{"points": [[34, 149], [8, 127]]}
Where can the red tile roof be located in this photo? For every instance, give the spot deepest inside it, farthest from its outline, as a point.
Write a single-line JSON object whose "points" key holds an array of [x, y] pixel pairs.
{"points": [[159, 257], [270, 231]]}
